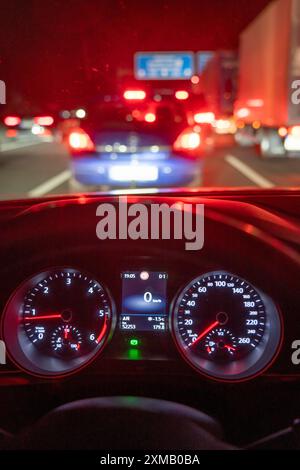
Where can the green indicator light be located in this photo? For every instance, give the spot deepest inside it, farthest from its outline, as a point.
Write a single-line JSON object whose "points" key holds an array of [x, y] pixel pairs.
{"points": [[134, 354], [134, 342]]}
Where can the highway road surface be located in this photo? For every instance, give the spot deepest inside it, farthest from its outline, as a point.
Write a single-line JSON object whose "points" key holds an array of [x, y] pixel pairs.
{"points": [[33, 168]]}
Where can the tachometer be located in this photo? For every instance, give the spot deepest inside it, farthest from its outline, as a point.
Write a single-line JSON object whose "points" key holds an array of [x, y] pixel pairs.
{"points": [[225, 327], [57, 321]]}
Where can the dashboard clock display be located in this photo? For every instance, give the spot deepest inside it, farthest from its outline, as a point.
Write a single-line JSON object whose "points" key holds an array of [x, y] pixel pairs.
{"points": [[60, 320], [144, 301], [225, 327]]}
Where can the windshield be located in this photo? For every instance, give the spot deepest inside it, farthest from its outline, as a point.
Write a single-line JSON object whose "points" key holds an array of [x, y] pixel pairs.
{"points": [[127, 95]]}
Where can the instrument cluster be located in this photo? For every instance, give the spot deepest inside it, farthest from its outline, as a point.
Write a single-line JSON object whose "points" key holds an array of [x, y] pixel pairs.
{"points": [[61, 319]]}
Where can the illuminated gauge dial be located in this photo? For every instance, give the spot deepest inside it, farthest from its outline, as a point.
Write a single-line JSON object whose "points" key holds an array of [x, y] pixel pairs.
{"points": [[57, 322], [221, 343], [66, 340], [225, 327]]}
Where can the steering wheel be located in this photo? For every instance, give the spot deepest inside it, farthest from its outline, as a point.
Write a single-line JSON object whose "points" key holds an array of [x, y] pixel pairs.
{"points": [[121, 423]]}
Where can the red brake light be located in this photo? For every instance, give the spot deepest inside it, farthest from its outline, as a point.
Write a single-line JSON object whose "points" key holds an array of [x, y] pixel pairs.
{"points": [[134, 95], [80, 141], [187, 140], [44, 120], [150, 117], [11, 121], [181, 95], [204, 118]]}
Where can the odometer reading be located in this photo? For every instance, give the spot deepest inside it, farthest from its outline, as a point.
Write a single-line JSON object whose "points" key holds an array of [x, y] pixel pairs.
{"points": [[226, 327]]}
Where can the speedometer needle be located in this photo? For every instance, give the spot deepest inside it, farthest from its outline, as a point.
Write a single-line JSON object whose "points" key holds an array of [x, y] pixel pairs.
{"points": [[204, 333], [43, 317]]}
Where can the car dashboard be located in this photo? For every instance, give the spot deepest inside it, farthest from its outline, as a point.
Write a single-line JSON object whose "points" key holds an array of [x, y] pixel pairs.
{"points": [[84, 317]]}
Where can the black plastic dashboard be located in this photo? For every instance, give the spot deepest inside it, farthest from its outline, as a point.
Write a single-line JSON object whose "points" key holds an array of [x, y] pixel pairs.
{"points": [[251, 241]]}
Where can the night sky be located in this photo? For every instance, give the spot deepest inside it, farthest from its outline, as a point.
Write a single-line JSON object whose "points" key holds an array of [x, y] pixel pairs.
{"points": [[54, 52]]}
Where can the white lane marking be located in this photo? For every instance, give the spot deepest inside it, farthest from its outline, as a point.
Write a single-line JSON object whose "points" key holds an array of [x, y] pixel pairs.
{"points": [[50, 184], [251, 174]]}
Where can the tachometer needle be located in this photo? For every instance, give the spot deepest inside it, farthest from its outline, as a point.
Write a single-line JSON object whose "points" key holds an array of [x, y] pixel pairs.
{"points": [[204, 333], [43, 317]]}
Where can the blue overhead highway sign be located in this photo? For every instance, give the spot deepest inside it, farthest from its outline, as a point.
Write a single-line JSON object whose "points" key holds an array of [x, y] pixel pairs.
{"points": [[164, 65]]}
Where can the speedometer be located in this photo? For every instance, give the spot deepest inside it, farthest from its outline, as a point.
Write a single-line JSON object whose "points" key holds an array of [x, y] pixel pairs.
{"points": [[57, 321], [225, 327]]}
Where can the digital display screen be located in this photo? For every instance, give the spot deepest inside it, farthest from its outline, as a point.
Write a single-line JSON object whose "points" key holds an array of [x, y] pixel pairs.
{"points": [[144, 301]]}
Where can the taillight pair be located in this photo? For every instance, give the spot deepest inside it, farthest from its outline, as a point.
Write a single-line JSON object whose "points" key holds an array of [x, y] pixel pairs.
{"points": [[13, 121], [80, 141]]}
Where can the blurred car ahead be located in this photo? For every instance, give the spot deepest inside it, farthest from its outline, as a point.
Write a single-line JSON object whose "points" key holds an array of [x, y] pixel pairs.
{"points": [[24, 127], [135, 145]]}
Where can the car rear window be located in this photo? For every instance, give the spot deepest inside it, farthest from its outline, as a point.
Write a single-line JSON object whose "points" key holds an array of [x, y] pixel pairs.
{"points": [[135, 117]]}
